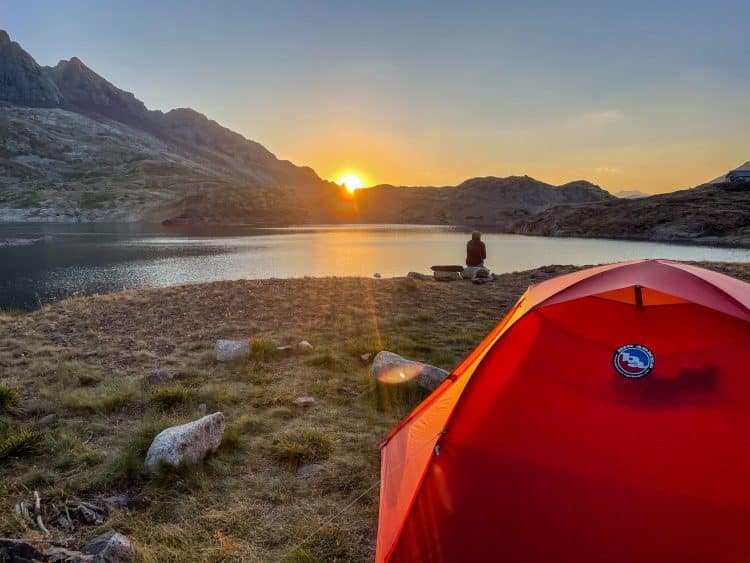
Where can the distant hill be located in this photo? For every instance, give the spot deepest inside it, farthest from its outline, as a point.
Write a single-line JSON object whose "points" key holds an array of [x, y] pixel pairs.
{"points": [[723, 178], [488, 201], [630, 194], [706, 214]]}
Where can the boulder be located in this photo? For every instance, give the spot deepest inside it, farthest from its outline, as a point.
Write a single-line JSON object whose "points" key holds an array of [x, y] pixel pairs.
{"points": [[111, 547], [310, 470], [188, 443], [305, 347], [473, 272], [376, 275], [388, 367], [446, 276], [228, 350]]}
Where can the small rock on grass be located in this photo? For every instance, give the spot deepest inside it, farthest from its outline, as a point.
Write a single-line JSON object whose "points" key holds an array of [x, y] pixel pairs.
{"points": [[285, 349], [188, 443], [111, 547], [304, 401], [366, 358], [228, 350], [305, 347], [48, 420], [310, 470]]}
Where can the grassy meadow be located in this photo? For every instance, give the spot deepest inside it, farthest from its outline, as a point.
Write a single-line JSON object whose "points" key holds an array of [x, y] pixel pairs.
{"points": [[86, 360]]}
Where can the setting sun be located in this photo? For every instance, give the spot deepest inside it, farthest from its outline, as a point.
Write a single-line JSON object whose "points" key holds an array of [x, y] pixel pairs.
{"points": [[351, 182]]}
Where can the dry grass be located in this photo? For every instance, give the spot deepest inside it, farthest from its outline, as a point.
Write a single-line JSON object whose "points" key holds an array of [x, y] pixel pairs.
{"points": [[85, 360]]}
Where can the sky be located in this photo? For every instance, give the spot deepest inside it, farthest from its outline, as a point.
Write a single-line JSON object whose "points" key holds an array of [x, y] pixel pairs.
{"points": [[642, 95]]}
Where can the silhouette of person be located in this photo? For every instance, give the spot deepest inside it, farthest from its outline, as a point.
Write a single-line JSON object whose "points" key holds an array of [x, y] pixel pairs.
{"points": [[476, 252]]}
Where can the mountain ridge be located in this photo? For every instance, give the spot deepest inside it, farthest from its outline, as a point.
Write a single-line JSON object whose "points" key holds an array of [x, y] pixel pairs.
{"points": [[75, 147], [489, 201], [198, 171]]}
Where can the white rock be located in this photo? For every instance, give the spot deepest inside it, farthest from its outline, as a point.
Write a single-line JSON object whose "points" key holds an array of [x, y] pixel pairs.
{"points": [[305, 347], [310, 470], [111, 547], [388, 367], [48, 420], [227, 350], [188, 443]]}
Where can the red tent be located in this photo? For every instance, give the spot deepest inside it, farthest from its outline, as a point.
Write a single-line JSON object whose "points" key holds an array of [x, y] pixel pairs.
{"points": [[605, 419]]}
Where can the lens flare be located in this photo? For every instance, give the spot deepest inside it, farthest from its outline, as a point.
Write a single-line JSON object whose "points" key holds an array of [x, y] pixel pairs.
{"points": [[352, 182], [399, 374]]}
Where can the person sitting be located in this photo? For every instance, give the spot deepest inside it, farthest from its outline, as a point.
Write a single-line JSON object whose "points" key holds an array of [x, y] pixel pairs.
{"points": [[476, 252]]}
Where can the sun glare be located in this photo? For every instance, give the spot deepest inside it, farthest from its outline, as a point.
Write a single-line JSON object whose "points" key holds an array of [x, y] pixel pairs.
{"points": [[351, 182]]}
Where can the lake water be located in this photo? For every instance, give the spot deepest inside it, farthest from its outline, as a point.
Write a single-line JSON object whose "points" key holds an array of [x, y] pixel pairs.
{"points": [[95, 258]]}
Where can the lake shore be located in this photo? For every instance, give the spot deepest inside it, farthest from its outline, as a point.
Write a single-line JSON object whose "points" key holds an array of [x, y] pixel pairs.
{"points": [[80, 369]]}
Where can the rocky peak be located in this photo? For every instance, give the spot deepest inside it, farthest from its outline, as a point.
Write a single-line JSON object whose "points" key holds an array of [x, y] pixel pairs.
{"points": [[22, 80], [85, 90]]}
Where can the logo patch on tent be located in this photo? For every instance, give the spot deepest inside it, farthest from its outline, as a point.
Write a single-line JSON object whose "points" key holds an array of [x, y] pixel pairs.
{"points": [[633, 360]]}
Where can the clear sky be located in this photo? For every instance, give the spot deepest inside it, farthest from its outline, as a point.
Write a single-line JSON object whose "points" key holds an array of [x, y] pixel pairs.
{"points": [[633, 94]]}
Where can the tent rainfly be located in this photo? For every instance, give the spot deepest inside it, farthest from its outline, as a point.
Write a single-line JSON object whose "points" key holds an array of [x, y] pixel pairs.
{"points": [[606, 418]]}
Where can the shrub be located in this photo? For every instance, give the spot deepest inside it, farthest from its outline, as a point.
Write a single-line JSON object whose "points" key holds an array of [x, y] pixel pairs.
{"points": [[329, 544], [302, 446], [231, 439], [128, 466], [262, 350], [407, 285], [368, 346], [324, 360], [20, 443], [89, 379], [106, 398], [169, 397], [70, 451], [9, 398]]}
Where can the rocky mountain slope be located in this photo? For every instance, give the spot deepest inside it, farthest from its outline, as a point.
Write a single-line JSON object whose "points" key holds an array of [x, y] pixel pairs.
{"points": [[708, 214], [75, 147], [486, 201]]}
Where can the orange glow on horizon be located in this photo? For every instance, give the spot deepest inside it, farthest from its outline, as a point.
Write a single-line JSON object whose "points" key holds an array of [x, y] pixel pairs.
{"points": [[351, 180]]}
